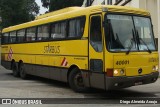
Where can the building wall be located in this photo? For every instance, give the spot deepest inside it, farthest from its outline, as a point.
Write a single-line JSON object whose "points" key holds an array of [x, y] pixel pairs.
{"points": [[151, 6], [97, 2], [134, 3]]}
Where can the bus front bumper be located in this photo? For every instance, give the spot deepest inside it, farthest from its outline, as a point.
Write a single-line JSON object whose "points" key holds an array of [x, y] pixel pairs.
{"points": [[123, 82]]}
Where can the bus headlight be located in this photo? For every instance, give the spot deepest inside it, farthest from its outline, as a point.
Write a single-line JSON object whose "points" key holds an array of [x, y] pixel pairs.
{"points": [[115, 72], [119, 72], [155, 68]]}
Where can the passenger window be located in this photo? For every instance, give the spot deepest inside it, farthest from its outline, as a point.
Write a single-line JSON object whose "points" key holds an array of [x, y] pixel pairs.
{"points": [[76, 27], [43, 32], [21, 35], [5, 38], [31, 34], [12, 36], [95, 33], [58, 30]]}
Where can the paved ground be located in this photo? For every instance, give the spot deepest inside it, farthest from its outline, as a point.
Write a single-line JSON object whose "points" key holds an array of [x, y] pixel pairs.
{"points": [[35, 87]]}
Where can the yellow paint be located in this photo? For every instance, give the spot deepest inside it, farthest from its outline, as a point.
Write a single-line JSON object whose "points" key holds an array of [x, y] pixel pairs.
{"points": [[137, 61]]}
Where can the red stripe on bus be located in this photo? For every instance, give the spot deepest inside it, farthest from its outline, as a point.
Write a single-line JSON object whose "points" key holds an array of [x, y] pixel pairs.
{"points": [[63, 61]]}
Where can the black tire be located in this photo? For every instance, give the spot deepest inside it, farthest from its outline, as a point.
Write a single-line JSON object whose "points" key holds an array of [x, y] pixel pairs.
{"points": [[22, 71], [15, 70], [76, 81]]}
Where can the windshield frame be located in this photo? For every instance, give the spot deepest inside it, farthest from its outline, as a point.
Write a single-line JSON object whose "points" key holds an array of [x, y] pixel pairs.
{"points": [[132, 16]]}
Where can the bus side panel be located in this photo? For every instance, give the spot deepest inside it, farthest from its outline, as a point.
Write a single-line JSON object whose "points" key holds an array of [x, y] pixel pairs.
{"points": [[49, 59], [6, 64], [5, 56]]}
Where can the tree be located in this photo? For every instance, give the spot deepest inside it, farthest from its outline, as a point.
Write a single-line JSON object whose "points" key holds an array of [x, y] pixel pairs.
{"points": [[14, 12], [59, 4]]}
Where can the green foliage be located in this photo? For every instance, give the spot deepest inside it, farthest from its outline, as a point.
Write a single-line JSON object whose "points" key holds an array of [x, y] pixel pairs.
{"points": [[45, 3], [59, 4], [14, 12]]}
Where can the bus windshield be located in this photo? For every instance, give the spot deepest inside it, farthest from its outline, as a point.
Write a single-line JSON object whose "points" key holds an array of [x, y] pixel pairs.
{"points": [[129, 33]]}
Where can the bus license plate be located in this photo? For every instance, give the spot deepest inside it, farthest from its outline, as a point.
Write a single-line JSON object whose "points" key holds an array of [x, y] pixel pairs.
{"points": [[138, 83]]}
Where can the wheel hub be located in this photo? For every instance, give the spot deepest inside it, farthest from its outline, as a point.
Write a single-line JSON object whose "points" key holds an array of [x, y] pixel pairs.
{"points": [[79, 80]]}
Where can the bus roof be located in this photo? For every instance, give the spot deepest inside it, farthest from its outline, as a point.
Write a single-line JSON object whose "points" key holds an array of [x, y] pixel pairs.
{"points": [[61, 11], [75, 12]]}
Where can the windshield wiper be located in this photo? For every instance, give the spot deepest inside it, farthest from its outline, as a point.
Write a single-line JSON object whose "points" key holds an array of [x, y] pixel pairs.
{"points": [[130, 47], [143, 42]]}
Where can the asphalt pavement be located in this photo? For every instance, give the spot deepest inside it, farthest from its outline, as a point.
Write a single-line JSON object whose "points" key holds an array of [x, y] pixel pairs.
{"points": [[36, 87]]}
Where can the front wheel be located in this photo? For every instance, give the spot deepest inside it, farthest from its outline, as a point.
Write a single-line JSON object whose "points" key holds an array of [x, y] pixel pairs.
{"points": [[22, 71], [76, 81]]}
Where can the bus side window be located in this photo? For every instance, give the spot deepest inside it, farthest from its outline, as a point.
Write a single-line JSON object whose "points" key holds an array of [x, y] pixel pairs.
{"points": [[76, 27], [95, 33], [5, 38], [72, 28], [21, 35], [31, 34], [43, 32], [58, 30], [12, 37]]}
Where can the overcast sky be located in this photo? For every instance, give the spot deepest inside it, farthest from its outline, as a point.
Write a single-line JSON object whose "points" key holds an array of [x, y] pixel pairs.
{"points": [[42, 9]]}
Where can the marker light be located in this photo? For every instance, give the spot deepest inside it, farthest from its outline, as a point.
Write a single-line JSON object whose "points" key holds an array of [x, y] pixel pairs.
{"points": [[121, 71]]}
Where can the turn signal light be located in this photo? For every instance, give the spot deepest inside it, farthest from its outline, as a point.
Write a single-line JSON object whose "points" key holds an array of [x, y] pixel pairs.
{"points": [[109, 72]]}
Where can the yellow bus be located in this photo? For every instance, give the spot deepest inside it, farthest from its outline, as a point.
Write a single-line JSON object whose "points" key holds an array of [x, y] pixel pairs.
{"points": [[105, 47]]}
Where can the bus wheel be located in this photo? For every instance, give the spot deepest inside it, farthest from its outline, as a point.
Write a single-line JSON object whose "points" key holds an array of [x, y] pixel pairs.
{"points": [[15, 70], [22, 71], [76, 81]]}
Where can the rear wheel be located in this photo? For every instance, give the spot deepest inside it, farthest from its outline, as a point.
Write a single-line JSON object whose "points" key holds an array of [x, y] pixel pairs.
{"points": [[15, 70], [22, 71], [76, 81]]}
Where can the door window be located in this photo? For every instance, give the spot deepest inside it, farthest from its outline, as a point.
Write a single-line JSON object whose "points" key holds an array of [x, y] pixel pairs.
{"points": [[95, 33]]}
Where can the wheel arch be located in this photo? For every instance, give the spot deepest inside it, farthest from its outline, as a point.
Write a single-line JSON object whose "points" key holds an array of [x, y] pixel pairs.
{"points": [[20, 62], [12, 62], [70, 69]]}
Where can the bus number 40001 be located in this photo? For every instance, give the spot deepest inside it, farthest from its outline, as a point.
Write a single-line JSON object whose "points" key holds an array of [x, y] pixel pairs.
{"points": [[124, 62]]}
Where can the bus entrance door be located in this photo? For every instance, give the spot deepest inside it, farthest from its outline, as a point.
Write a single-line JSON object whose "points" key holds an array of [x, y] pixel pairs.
{"points": [[96, 52]]}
